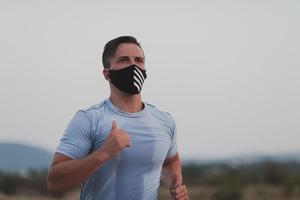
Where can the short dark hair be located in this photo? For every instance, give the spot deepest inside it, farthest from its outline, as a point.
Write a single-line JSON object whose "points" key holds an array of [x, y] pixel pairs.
{"points": [[111, 47]]}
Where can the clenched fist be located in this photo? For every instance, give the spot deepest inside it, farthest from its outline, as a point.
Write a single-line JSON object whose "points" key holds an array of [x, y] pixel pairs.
{"points": [[115, 142], [179, 192]]}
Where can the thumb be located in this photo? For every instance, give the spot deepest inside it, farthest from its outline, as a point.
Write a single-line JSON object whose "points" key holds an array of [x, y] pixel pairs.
{"points": [[114, 125]]}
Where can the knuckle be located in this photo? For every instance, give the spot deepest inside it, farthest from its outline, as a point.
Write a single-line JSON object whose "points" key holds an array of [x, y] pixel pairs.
{"points": [[125, 135], [118, 142]]}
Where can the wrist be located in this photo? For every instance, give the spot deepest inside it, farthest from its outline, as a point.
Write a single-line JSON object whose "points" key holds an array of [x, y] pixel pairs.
{"points": [[176, 184], [101, 156]]}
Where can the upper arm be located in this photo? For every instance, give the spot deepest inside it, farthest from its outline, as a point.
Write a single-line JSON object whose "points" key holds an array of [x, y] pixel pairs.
{"points": [[58, 158], [173, 159], [173, 150], [77, 138]]}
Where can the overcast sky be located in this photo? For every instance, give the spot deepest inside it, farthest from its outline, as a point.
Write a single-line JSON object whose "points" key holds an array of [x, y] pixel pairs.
{"points": [[228, 71]]}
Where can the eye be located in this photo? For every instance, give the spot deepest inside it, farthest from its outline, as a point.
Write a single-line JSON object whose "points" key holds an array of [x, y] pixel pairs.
{"points": [[122, 60], [140, 60]]}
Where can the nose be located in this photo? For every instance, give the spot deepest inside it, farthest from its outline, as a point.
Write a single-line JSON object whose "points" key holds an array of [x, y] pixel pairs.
{"points": [[137, 62], [133, 61]]}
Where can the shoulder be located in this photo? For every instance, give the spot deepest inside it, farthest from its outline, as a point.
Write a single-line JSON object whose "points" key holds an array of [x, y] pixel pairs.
{"points": [[166, 116], [92, 112]]}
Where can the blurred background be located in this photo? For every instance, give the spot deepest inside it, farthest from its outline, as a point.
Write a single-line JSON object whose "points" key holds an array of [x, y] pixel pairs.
{"points": [[228, 72]]}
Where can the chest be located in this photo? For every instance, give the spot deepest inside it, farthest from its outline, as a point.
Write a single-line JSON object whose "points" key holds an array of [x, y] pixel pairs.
{"points": [[150, 141]]}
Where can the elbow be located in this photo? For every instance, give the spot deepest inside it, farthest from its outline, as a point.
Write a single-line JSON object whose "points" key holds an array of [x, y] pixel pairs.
{"points": [[54, 190], [53, 187]]}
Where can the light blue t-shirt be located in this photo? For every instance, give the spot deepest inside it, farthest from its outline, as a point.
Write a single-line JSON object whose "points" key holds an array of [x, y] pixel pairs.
{"points": [[134, 174]]}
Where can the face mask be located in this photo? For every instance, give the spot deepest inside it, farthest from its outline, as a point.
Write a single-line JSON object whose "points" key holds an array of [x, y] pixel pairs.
{"points": [[129, 80]]}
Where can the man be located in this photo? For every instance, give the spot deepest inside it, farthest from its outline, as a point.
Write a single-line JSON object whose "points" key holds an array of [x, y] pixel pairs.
{"points": [[121, 148]]}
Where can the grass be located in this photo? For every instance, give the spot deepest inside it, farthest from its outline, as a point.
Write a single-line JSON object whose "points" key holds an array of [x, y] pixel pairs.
{"points": [[251, 192]]}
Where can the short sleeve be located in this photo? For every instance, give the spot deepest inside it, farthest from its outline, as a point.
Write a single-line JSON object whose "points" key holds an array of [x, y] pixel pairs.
{"points": [[76, 140], [173, 146]]}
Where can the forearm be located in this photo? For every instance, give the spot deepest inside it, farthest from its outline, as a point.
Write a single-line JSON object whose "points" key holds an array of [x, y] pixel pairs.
{"points": [[65, 175], [171, 172], [172, 178]]}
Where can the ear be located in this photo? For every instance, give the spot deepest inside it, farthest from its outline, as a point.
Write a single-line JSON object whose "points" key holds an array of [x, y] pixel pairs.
{"points": [[106, 74]]}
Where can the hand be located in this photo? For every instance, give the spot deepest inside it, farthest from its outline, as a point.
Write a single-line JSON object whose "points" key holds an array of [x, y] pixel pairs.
{"points": [[179, 192], [115, 142]]}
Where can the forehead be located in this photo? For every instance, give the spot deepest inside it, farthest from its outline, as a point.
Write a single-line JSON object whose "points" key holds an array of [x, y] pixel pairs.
{"points": [[129, 49]]}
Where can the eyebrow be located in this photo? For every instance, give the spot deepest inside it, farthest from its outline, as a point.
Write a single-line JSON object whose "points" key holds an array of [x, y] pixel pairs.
{"points": [[122, 57], [142, 58]]}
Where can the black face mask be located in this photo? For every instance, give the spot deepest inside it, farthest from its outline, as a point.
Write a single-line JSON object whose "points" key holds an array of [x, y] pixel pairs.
{"points": [[129, 80]]}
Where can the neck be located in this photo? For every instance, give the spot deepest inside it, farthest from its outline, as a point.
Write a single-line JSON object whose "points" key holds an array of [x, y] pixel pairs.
{"points": [[126, 102]]}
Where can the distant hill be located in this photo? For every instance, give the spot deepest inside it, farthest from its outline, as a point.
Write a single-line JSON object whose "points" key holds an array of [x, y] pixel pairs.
{"points": [[248, 159], [19, 157]]}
